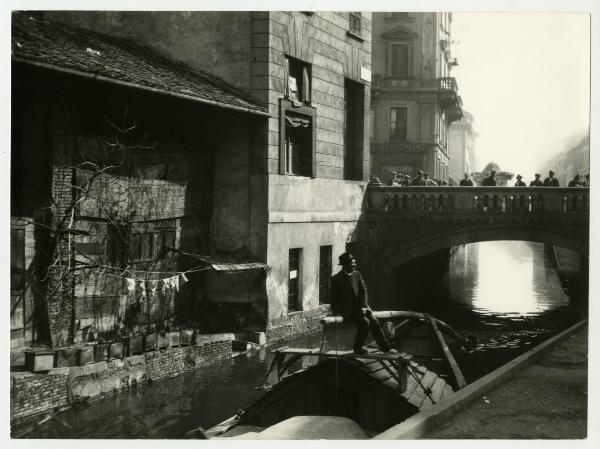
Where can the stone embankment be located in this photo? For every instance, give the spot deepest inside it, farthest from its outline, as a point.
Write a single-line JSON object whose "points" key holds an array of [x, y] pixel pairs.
{"points": [[32, 394]]}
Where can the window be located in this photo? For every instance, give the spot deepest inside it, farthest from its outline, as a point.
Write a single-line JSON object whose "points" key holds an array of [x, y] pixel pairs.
{"points": [[354, 125], [324, 274], [148, 245], [297, 140], [355, 23], [398, 123], [298, 82], [399, 60], [294, 300]]}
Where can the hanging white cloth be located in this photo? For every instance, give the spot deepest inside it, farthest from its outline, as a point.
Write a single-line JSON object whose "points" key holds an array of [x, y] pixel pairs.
{"points": [[130, 284], [143, 288]]}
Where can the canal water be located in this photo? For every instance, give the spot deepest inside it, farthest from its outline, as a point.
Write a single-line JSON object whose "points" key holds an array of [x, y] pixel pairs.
{"points": [[507, 294]]}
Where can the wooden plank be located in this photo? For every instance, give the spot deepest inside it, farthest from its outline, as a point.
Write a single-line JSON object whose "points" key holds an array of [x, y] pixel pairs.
{"points": [[446, 391], [411, 385], [420, 393], [460, 379], [437, 389]]}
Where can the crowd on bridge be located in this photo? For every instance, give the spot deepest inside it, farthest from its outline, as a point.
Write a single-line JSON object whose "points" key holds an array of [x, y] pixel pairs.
{"points": [[422, 179]]}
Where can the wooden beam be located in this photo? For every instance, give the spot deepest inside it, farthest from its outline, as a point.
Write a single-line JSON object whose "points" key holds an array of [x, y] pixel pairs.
{"points": [[341, 354], [460, 379], [382, 314]]}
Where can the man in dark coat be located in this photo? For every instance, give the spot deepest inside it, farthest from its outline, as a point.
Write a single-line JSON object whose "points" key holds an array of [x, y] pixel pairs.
{"points": [[537, 182], [419, 180], [551, 181], [576, 181], [520, 183], [348, 297], [490, 180], [466, 181]]}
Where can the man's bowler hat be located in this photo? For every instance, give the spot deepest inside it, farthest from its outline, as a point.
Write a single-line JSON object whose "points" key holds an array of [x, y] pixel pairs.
{"points": [[345, 259]]}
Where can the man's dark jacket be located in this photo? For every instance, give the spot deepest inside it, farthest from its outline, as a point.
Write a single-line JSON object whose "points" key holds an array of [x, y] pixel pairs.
{"points": [[535, 183], [489, 181], [348, 293], [551, 182]]}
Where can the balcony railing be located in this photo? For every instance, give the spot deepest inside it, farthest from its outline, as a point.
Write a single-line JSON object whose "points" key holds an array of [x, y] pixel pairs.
{"points": [[401, 147], [394, 82], [447, 84], [478, 200]]}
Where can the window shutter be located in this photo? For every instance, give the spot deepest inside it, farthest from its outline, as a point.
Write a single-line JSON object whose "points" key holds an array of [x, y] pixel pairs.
{"points": [[286, 82], [305, 85], [355, 25]]}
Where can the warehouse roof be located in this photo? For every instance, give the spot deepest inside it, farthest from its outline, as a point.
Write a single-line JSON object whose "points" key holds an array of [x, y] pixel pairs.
{"points": [[87, 53]]}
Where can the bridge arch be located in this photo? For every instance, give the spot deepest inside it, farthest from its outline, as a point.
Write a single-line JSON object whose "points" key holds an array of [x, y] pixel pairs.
{"points": [[402, 252]]}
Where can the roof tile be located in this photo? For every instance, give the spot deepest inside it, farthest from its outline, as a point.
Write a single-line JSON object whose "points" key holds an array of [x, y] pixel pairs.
{"points": [[54, 44]]}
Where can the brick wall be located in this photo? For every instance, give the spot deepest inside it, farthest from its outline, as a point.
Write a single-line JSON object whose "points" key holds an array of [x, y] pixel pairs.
{"points": [[296, 324], [33, 394]]}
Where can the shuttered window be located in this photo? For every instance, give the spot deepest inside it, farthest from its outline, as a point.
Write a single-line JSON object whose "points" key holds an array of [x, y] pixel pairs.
{"points": [[355, 23]]}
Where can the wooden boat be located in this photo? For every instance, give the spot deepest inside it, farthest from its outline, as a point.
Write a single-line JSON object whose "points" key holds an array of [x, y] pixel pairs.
{"points": [[375, 390]]}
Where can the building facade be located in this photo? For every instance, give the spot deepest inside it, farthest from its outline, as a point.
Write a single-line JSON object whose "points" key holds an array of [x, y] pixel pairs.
{"points": [[414, 97], [461, 148], [574, 160], [271, 177]]}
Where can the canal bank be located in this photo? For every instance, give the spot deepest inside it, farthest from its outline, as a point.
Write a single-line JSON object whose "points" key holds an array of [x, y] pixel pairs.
{"points": [[508, 318], [541, 394], [548, 400]]}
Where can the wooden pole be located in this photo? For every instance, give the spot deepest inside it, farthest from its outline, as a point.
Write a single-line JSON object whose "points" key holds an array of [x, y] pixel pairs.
{"points": [[460, 379], [382, 314]]}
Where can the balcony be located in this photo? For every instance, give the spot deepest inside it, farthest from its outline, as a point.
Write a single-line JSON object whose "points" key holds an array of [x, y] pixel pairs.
{"points": [[447, 85], [402, 147], [454, 112], [395, 83]]}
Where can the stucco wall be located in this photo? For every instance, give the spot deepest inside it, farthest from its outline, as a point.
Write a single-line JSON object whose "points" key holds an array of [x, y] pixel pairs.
{"points": [[307, 215]]}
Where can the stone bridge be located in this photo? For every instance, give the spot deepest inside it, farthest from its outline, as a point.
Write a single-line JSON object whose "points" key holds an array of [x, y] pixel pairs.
{"points": [[399, 224]]}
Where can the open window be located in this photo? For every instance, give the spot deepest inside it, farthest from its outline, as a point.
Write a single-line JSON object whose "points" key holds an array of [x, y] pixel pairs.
{"points": [[354, 128], [297, 147], [398, 124], [399, 59], [298, 81]]}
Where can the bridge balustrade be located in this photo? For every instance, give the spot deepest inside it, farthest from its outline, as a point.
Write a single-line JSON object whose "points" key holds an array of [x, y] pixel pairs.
{"points": [[478, 200]]}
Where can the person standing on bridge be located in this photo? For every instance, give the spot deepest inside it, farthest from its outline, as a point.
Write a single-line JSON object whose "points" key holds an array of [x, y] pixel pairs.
{"points": [[429, 182], [576, 181], [394, 180], [537, 182], [466, 181], [348, 298], [551, 181], [419, 180], [520, 183], [490, 181]]}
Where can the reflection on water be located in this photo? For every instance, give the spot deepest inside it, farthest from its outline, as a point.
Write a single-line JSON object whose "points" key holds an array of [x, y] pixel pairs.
{"points": [[508, 280], [506, 284], [506, 293]]}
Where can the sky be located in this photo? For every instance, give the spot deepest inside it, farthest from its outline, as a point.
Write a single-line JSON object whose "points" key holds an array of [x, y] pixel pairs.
{"points": [[525, 77]]}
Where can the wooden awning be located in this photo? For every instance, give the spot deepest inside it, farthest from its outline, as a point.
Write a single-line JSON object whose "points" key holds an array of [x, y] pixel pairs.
{"points": [[226, 264]]}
